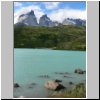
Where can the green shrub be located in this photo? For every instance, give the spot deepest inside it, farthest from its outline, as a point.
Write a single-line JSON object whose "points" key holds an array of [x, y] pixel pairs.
{"points": [[60, 37]]}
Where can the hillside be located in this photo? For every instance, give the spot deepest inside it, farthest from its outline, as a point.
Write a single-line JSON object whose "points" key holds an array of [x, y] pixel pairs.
{"points": [[59, 37]]}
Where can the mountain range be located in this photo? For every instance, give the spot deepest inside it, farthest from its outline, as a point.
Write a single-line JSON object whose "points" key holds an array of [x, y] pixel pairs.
{"points": [[29, 19]]}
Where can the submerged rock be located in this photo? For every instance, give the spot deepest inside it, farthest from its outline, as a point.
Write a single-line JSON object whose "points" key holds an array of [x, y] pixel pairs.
{"points": [[66, 73], [84, 72], [57, 80], [65, 76], [16, 85], [44, 76], [33, 84], [71, 83], [79, 71], [61, 73], [52, 85], [30, 87]]}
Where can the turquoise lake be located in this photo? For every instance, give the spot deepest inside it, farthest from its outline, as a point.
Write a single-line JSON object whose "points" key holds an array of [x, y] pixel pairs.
{"points": [[29, 64]]}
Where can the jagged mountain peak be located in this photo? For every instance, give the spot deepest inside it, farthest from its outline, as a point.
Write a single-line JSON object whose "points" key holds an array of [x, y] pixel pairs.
{"points": [[30, 19], [31, 13], [45, 21], [21, 15], [73, 21], [45, 15]]}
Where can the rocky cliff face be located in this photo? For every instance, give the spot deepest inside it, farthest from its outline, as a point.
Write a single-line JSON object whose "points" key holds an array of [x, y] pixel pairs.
{"points": [[28, 19], [45, 21], [70, 21]]}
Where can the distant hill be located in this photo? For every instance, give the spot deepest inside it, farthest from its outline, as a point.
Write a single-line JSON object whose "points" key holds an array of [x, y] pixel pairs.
{"points": [[64, 37]]}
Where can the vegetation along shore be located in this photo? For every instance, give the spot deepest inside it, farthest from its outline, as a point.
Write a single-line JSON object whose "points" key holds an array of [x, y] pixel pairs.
{"points": [[59, 37]]}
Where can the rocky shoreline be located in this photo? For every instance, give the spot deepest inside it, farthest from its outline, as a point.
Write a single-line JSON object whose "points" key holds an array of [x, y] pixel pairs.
{"points": [[57, 87], [77, 91]]}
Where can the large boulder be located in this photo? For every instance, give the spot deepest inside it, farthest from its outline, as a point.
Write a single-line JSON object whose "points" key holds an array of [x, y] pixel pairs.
{"points": [[53, 85]]}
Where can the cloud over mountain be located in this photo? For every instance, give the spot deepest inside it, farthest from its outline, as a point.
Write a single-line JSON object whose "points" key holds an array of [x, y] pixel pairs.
{"points": [[53, 9]]}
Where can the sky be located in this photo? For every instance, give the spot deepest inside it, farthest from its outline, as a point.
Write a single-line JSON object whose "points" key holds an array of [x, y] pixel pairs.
{"points": [[56, 11]]}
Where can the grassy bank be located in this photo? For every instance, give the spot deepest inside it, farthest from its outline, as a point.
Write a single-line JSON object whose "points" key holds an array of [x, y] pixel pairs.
{"points": [[57, 38], [78, 91]]}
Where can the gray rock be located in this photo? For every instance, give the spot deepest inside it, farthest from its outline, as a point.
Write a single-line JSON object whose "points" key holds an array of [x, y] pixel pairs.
{"points": [[79, 71], [30, 87], [62, 73], [65, 76], [16, 85], [59, 87], [71, 83], [52, 85], [44, 76], [57, 80], [33, 84]]}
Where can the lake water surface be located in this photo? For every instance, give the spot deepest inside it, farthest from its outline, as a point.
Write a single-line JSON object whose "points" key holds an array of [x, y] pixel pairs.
{"points": [[29, 64]]}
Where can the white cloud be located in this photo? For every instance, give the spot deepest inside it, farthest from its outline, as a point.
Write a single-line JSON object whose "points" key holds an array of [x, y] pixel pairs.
{"points": [[23, 10], [51, 5], [17, 4], [61, 14]]}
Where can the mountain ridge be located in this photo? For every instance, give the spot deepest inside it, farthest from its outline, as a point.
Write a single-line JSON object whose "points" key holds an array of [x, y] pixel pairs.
{"points": [[29, 19]]}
